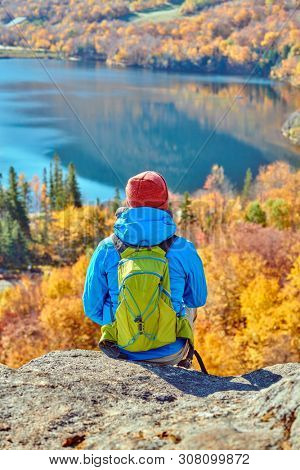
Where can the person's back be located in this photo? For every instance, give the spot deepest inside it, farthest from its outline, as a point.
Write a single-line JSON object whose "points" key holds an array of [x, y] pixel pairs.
{"points": [[146, 223]]}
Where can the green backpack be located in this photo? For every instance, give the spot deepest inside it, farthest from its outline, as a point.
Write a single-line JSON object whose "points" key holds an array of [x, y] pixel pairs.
{"points": [[145, 318]]}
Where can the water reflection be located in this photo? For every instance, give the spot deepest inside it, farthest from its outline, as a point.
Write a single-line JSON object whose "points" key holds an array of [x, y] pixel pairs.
{"points": [[141, 120]]}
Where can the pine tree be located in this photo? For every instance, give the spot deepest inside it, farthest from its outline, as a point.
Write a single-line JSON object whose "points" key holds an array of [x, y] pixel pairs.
{"points": [[15, 204], [14, 250], [45, 209], [45, 180], [72, 191], [187, 217], [58, 185], [247, 185], [2, 196], [51, 188], [116, 203], [25, 193]]}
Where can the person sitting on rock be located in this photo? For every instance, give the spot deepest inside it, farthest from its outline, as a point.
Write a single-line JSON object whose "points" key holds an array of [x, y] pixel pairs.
{"points": [[143, 282]]}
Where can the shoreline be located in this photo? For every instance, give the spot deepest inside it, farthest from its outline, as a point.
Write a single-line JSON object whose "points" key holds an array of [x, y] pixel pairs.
{"points": [[19, 53]]}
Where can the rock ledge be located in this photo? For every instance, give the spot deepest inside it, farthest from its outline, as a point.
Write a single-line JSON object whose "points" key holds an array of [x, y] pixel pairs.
{"points": [[81, 399], [291, 128]]}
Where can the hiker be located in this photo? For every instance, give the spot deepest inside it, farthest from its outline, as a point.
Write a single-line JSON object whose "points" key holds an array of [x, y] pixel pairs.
{"points": [[144, 283]]}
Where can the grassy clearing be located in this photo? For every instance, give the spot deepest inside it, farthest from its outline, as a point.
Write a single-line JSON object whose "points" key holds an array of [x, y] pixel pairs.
{"points": [[20, 53], [167, 13]]}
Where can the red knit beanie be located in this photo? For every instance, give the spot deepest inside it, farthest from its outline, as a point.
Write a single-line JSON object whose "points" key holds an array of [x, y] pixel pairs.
{"points": [[147, 189]]}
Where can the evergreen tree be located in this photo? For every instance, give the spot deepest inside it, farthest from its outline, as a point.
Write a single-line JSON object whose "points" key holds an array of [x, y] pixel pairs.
{"points": [[247, 185], [45, 209], [51, 188], [285, 51], [15, 204], [14, 250], [278, 213], [2, 196], [72, 191], [255, 214], [58, 185], [187, 215], [25, 193], [45, 180], [116, 203]]}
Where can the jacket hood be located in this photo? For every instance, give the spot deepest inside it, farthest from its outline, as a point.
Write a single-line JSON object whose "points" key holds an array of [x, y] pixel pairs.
{"points": [[144, 226]]}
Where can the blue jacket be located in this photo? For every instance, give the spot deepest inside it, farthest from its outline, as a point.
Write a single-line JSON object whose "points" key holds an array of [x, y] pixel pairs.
{"points": [[144, 226]]}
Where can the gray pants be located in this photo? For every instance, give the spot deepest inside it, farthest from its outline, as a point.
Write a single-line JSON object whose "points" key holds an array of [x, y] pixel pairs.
{"points": [[174, 359]]}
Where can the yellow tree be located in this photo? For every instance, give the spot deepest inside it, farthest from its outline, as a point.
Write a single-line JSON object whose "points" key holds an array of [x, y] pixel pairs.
{"points": [[62, 314]]}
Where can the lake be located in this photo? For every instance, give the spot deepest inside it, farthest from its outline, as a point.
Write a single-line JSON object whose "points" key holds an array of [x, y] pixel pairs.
{"points": [[115, 123]]}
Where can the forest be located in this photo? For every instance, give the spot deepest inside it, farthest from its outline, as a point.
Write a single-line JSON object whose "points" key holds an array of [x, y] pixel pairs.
{"points": [[40, 220], [249, 242], [256, 37]]}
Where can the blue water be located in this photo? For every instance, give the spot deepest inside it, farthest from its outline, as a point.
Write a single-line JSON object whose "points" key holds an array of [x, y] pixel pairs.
{"points": [[115, 123]]}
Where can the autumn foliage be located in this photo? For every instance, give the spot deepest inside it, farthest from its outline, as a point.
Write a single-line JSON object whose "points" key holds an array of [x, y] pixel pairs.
{"points": [[252, 264], [252, 267], [46, 314], [261, 37]]}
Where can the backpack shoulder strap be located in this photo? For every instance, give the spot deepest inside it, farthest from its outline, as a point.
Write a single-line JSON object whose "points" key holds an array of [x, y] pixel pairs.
{"points": [[166, 244], [119, 245]]}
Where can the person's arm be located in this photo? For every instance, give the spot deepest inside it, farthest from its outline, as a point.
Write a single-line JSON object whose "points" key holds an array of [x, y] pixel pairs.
{"points": [[96, 288], [195, 292]]}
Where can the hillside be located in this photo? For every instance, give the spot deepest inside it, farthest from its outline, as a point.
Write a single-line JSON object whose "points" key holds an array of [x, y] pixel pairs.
{"points": [[249, 243], [81, 399], [207, 36]]}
